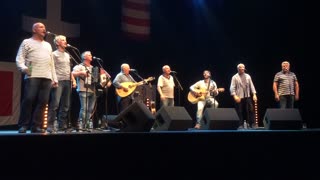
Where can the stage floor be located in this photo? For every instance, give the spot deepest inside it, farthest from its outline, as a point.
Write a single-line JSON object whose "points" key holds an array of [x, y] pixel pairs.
{"points": [[193, 154], [190, 130]]}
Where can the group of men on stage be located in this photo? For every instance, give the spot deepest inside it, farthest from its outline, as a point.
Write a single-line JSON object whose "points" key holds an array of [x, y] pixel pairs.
{"points": [[49, 79]]}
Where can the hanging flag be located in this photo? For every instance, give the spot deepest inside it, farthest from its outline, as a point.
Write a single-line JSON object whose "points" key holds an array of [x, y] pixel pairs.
{"points": [[10, 92], [136, 19]]}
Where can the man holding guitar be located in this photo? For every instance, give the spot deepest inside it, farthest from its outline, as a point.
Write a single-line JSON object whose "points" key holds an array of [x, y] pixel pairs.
{"points": [[123, 76], [125, 85], [203, 93]]}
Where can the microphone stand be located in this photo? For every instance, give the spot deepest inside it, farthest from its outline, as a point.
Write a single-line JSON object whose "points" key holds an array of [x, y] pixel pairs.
{"points": [[138, 75], [103, 124], [87, 103], [77, 53], [179, 85], [88, 72], [71, 64]]}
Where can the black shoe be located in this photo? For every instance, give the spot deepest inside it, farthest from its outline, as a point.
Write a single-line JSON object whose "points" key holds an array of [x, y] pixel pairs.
{"points": [[68, 130], [22, 130], [37, 130], [51, 130]]}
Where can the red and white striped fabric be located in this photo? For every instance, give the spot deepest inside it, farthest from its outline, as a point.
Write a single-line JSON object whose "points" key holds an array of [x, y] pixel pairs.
{"points": [[10, 91], [136, 19]]}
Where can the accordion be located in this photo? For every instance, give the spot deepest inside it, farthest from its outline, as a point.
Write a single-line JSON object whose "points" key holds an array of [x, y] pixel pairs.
{"points": [[100, 76]]}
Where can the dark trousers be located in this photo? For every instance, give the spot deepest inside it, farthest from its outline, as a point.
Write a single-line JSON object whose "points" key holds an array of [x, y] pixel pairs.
{"points": [[123, 103], [286, 101], [35, 99], [245, 109]]}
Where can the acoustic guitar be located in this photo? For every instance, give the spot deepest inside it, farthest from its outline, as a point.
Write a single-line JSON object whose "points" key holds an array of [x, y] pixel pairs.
{"points": [[131, 87], [200, 95]]}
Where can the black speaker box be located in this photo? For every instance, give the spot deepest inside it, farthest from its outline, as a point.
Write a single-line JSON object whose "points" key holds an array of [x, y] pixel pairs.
{"points": [[172, 118], [282, 119], [220, 118], [135, 118]]}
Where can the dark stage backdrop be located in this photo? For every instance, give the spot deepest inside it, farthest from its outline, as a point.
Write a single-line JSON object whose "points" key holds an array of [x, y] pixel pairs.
{"points": [[188, 35]]}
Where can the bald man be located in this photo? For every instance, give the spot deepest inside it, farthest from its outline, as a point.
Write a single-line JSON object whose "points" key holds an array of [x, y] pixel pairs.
{"points": [[165, 87], [34, 60]]}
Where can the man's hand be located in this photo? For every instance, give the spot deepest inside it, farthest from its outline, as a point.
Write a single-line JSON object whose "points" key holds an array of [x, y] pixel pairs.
{"points": [[237, 99]]}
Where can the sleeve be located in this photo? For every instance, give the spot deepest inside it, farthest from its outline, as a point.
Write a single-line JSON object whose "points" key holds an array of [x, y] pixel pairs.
{"points": [[194, 86], [21, 57], [53, 70], [252, 88], [116, 81], [160, 82], [214, 85], [276, 78], [233, 86], [215, 88]]}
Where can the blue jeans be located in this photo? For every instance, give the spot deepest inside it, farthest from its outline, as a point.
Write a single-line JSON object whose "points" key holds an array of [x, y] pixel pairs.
{"points": [[167, 102], [35, 99], [60, 101], [210, 102], [286, 101], [87, 102]]}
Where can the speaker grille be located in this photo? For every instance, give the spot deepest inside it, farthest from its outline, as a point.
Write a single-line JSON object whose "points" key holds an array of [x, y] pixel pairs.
{"points": [[282, 119], [172, 118], [220, 118], [136, 118]]}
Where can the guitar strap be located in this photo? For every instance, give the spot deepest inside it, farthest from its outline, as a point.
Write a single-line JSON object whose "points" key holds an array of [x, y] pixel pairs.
{"points": [[208, 100], [209, 85]]}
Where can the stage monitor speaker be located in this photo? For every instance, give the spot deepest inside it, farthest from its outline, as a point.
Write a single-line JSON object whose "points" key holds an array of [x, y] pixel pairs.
{"points": [[172, 118], [135, 118], [220, 118], [282, 119]]}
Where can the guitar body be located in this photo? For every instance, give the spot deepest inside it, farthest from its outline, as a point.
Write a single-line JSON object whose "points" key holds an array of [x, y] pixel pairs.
{"points": [[193, 98], [131, 86]]}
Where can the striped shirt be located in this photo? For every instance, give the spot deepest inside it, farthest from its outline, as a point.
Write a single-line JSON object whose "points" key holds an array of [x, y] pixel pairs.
{"points": [[286, 83], [37, 54]]}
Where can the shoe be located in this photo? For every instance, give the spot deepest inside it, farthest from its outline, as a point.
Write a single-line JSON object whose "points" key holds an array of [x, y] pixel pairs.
{"points": [[51, 130], [62, 128], [22, 130], [240, 127], [254, 126], [37, 130], [68, 130], [197, 126]]}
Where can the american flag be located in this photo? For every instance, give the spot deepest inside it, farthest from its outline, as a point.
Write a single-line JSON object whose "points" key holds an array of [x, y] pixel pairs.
{"points": [[136, 19]]}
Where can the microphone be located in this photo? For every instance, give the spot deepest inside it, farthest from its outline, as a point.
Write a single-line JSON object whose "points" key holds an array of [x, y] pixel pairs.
{"points": [[96, 58], [133, 70], [68, 45], [173, 72], [50, 33]]}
